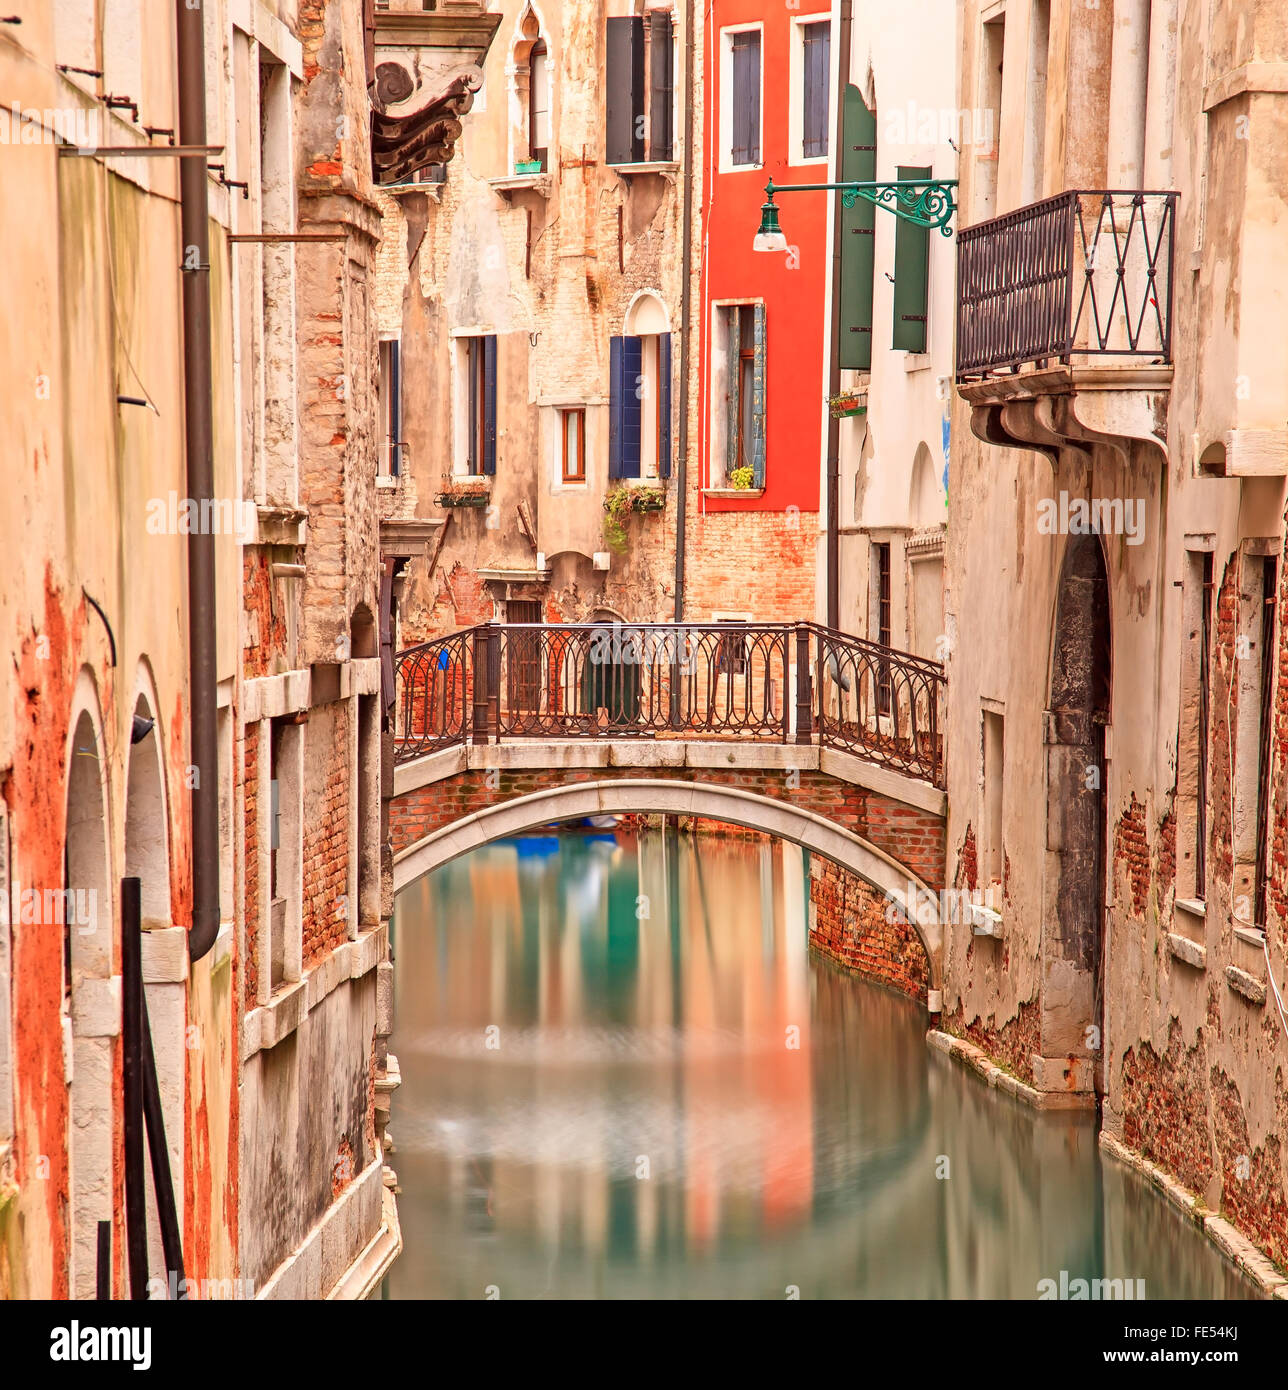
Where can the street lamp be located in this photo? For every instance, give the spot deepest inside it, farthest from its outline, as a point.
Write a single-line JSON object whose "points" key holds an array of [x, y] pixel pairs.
{"points": [[923, 202]]}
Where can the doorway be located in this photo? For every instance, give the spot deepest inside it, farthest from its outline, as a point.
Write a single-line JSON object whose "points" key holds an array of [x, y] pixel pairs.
{"points": [[1073, 949]]}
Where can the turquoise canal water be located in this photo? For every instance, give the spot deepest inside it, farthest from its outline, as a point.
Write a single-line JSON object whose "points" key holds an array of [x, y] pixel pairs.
{"points": [[624, 1077]]}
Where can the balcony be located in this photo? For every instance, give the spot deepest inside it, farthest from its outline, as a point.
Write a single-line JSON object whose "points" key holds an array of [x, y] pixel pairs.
{"points": [[1068, 302]]}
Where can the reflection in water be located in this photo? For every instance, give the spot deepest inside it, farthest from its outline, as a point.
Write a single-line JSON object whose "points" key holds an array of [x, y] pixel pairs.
{"points": [[624, 1077]]}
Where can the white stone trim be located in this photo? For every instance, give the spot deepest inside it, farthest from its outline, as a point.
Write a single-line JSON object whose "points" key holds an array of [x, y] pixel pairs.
{"points": [[708, 800]]}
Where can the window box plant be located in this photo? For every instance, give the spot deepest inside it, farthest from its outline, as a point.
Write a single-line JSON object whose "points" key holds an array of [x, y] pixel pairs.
{"points": [[742, 478], [464, 491], [527, 166], [848, 403], [620, 503]]}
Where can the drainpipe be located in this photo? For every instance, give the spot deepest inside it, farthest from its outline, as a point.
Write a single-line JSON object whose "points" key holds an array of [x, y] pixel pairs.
{"points": [[686, 295], [834, 350], [199, 454]]}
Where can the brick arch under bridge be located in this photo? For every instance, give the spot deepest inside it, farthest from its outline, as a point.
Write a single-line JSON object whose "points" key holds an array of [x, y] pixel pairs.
{"points": [[886, 830]]}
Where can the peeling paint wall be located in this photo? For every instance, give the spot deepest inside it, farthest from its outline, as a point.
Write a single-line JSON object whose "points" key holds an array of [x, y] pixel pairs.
{"points": [[1181, 1036]]}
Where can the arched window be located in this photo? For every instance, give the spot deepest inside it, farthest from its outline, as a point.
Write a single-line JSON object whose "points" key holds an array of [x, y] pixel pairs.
{"points": [[640, 395], [539, 104], [530, 73]]}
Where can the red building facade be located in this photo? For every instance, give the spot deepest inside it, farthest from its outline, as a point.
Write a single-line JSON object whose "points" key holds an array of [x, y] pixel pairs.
{"points": [[767, 114]]}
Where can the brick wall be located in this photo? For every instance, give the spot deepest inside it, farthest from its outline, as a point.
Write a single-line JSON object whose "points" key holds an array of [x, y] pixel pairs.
{"points": [[848, 923], [913, 837], [762, 563], [264, 652], [326, 831]]}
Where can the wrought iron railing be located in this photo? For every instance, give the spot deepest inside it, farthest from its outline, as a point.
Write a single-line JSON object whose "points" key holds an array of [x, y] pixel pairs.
{"points": [[1086, 273], [779, 682], [881, 704]]}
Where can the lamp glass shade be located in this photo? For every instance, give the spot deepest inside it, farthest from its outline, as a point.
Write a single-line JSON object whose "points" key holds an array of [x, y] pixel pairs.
{"points": [[770, 236]]}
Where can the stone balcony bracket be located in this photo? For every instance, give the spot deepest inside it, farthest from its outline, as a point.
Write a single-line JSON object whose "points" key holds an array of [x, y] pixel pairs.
{"points": [[538, 184], [1072, 407]]}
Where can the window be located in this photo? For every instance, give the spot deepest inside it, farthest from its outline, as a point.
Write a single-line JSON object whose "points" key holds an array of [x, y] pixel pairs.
{"points": [[1253, 715], [993, 741], [476, 399], [275, 342], [640, 81], [911, 276], [992, 46], [661, 67], [391, 407], [815, 57], [858, 234], [573, 447], [743, 143], [539, 103], [639, 421], [744, 329], [1192, 749], [1035, 100]]}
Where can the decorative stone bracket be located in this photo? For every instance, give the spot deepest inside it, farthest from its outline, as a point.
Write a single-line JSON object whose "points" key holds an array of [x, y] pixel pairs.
{"points": [[1075, 408]]}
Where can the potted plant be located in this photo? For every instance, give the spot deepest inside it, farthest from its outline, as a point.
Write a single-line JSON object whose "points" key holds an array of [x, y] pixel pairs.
{"points": [[848, 403], [741, 479], [527, 166], [620, 503], [464, 491]]}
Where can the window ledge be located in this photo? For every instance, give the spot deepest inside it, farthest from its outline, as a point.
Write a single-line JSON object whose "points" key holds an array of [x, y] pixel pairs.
{"points": [[665, 168], [733, 493], [916, 362], [387, 482], [510, 184], [1192, 907], [1193, 953], [1252, 989], [984, 921]]}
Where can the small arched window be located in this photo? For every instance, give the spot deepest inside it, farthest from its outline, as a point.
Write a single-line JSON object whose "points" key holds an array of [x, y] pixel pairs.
{"points": [[539, 104]]}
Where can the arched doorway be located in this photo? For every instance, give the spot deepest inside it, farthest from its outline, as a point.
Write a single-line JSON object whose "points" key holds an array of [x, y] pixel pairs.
{"points": [[87, 966], [1073, 947]]}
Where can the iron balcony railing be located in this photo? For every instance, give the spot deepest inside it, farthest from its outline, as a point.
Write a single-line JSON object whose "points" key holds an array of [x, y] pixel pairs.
{"points": [[779, 682], [1087, 273]]}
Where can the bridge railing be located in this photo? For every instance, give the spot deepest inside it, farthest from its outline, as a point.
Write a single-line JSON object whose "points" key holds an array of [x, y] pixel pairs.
{"points": [[780, 682], [884, 705]]}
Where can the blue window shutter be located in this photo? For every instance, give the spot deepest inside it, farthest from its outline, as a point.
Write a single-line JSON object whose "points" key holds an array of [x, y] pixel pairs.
{"points": [[616, 397], [489, 404], [758, 399], [632, 414], [664, 406]]}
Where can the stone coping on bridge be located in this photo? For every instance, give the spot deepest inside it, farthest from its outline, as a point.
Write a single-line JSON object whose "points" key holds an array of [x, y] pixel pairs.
{"points": [[770, 815], [697, 754]]}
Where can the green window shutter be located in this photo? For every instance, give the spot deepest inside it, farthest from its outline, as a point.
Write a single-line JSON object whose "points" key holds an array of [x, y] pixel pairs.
{"points": [[858, 235], [911, 275], [758, 399], [732, 340]]}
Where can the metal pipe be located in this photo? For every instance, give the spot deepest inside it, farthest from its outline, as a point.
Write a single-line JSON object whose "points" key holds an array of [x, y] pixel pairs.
{"points": [[199, 453], [686, 295], [833, 546], [136, 1219], [162, 1181]]}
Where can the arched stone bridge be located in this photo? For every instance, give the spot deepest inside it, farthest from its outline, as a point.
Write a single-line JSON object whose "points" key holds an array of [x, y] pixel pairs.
{"points": [[503, 729]]}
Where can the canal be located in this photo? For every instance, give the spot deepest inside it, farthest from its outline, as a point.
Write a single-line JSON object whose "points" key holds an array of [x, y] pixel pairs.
{"points": [[625, 1077]]}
